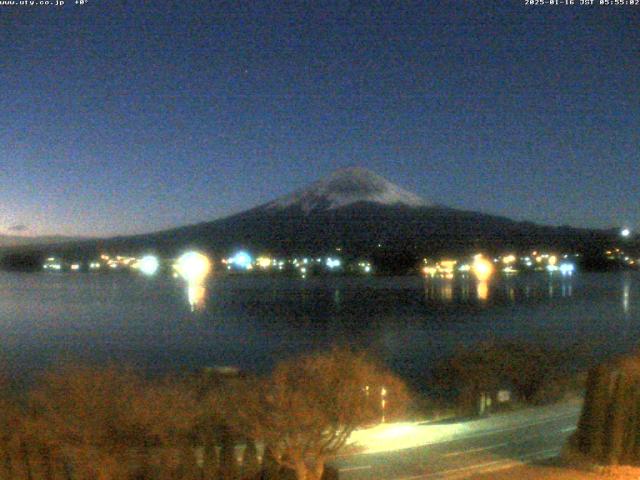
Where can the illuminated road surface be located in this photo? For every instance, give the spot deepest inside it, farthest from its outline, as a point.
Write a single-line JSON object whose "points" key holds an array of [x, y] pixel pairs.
{"points": [[414, 451]]}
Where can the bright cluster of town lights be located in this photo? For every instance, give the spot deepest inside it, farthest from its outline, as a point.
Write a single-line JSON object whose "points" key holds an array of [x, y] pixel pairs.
{"points": [[195, 265], [483, 267]]}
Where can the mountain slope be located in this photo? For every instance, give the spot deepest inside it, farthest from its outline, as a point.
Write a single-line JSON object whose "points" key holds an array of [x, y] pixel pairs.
{"points": [[359, 213], [20, 240]]}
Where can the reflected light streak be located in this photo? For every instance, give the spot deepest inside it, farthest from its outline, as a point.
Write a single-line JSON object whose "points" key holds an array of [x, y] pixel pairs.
{"points": [[567, 289], [197, 296], [464, 291], [626, 292], [336, 297], [483, 290], [446, 292]]}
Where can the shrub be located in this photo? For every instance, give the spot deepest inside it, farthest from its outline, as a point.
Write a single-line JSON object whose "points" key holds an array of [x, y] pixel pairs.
{"points": [[533, 373]]}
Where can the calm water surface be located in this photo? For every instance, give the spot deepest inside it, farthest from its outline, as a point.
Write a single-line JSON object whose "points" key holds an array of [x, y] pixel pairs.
{"points": [[250, 322]]}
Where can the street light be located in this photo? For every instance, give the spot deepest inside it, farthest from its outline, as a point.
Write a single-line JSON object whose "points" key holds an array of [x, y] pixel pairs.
{"points": [[482, 268], [193, 266], [149, 265]]}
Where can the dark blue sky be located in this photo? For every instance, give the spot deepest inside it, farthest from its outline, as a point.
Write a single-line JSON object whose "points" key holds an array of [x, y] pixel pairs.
{"points": [[132, 116]]}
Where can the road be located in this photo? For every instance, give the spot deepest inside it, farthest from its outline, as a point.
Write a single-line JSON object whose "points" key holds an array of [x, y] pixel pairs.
{"points": [[414, 451]]}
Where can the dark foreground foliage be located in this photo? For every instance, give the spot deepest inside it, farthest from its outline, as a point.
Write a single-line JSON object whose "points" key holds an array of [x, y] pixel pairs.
{"points": [[609, 427], [531, 373], [81, 423]]}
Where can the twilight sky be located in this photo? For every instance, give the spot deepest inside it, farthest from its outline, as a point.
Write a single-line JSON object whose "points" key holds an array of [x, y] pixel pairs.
{"points": [[129, 116]]}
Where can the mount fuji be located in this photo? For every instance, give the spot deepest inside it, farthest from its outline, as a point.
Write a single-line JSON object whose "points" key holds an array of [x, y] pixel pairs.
{"points": [[358, 213]]}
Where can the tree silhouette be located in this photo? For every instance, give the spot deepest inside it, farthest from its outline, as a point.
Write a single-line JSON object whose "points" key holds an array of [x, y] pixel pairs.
{"points": [[308, 407]]}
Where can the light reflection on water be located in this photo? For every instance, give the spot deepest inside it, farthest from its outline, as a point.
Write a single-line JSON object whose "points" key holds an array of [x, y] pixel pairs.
{"points": [[197, 296], [483, 290], [447, 291], [464, 292], [626, 293], [252, 321], [511, 288]]}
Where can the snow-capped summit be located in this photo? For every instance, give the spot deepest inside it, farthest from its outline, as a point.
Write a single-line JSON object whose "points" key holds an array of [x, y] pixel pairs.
{"points": [[345, 187]]}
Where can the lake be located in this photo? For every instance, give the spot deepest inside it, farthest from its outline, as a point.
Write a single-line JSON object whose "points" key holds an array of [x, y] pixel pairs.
{"points": [[252, 321]]}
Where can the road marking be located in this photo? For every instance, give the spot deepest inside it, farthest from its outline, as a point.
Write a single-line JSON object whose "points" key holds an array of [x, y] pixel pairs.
{"points": [[353, 469], [473, 450]]}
